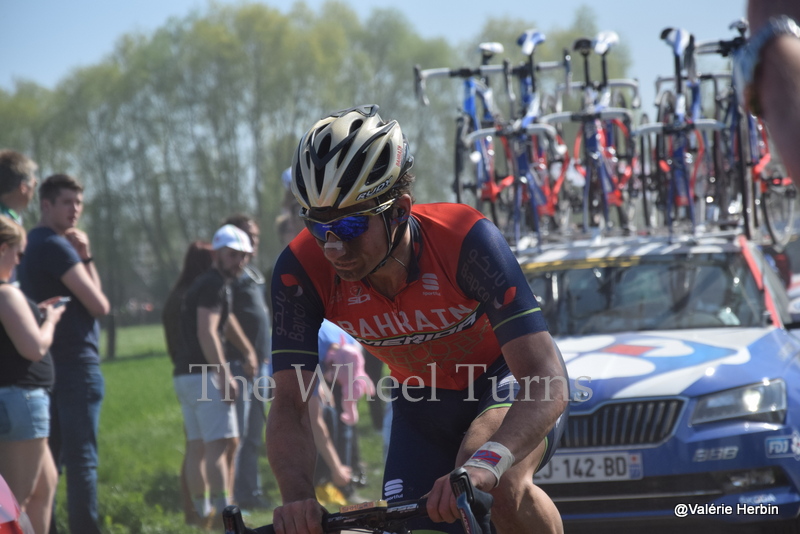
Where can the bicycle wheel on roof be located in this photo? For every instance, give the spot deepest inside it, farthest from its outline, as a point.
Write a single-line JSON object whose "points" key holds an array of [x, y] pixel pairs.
{"points": [[730, 196], [778, 192], [650, 186]]}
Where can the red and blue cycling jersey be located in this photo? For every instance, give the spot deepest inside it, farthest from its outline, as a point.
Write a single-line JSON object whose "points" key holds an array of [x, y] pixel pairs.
{"points": [[465, 297]]}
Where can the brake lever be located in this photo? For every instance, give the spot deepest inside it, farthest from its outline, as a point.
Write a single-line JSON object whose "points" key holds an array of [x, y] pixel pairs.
{"points": [[473, 504]]}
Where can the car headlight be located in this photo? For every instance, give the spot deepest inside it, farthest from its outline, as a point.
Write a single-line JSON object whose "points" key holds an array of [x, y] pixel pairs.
{"points": [[765, 401]]}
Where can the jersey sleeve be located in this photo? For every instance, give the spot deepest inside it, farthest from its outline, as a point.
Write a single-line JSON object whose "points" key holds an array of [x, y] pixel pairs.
{"points": [[489, 273], [297, 314], [61, 256], [212, 294]]}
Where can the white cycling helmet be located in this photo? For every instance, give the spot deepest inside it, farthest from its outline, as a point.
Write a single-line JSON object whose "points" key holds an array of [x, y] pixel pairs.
{"points": [[347, 158]]}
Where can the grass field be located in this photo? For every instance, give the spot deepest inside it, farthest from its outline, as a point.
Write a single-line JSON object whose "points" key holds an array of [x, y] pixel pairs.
{"points": [[141, 444]]}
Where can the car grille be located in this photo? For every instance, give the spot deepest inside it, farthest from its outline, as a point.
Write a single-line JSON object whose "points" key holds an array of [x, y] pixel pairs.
{"points": [[623, 424]]}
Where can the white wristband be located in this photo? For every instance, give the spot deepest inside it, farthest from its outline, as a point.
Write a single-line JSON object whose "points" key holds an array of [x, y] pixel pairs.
{"points": [[494, 457]]}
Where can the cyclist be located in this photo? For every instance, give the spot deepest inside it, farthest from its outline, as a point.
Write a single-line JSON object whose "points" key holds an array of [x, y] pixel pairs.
{"points": [[434, 292]]}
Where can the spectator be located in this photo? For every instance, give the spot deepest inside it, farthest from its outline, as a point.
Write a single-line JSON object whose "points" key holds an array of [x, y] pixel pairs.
{"points": [[26, 375], [250, 309], [17, 186], [339, 459], [17, 183], [196, 261], [204, 384], [772, 76], [58, 261]]}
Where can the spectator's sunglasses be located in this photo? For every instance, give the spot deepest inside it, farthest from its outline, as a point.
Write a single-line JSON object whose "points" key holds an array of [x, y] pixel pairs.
{"points": [[346, 227]]}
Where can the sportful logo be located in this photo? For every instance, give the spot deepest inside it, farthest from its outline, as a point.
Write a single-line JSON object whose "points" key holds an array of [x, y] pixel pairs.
{"points": [[430, 282], [393, 489]]}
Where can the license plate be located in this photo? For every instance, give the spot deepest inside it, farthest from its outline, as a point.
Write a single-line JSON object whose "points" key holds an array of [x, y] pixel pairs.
{"points": [[566, 468]]}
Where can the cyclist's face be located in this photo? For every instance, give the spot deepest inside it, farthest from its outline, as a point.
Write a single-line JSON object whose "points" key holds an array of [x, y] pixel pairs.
{"points": [[354, 259]]}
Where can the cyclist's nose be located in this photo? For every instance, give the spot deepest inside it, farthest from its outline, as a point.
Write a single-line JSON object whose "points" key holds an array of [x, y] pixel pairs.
{"points": [[334, 247]]}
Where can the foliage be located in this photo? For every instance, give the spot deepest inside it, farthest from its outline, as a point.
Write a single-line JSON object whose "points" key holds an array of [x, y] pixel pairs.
{"points": [[178, 128]]}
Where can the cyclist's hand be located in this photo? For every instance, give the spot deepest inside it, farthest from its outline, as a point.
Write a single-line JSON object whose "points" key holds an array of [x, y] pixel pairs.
{"points": [[298, 517], [481, 479], [441, 502]]}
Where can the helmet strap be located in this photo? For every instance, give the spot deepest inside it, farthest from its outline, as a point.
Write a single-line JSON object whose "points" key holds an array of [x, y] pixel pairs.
{"points": [[393, 244]]}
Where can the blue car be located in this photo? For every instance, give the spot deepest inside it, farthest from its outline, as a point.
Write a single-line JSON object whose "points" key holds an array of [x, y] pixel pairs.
{"points": [[684, 385]]}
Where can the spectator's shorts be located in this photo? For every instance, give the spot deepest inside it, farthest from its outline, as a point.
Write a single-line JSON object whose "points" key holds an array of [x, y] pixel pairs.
{"points": [[24, 413], [205, 415]]}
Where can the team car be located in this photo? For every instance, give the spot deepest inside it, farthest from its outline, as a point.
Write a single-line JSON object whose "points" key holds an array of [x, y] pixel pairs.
{"points": [[684, 384]]}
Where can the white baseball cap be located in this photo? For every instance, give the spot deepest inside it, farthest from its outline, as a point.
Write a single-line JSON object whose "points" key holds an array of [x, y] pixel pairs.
{"points": [[232, 237]]}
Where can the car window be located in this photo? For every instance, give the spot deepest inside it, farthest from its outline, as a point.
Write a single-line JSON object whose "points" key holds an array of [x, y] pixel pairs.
{"points": [[668, 292]]}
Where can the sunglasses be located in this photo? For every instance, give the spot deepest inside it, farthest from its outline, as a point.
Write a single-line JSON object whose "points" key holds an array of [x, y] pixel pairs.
{"points": [[345, 228]]}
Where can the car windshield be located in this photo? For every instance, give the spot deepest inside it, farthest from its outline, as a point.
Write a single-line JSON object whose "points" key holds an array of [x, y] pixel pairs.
{"points": [[662, 292]]}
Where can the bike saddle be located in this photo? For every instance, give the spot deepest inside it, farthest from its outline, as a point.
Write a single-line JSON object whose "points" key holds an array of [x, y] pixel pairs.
{"points": [[583, 45], [740, 25], [679, 39], [490, 49], [604, 42], [529, 40]]}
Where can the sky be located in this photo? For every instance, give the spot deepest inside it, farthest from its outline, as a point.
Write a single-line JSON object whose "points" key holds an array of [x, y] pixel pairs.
{"points": [[43, 40]]}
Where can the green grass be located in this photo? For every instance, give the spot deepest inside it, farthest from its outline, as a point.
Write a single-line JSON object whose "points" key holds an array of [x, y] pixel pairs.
{"points": [[141, 444]]}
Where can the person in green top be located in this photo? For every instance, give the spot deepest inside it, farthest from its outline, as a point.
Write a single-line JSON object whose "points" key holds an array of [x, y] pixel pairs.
{"points": [[17, 183]]}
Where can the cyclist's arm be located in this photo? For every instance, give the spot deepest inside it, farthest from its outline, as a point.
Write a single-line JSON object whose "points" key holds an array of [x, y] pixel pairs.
{"points": [[539, 403], [779, 80], [496, 278], [291, 454], [296, 317]]}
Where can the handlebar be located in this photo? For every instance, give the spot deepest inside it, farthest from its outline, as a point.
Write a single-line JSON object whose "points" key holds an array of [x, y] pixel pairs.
{"points": [[538, 129], [624, 83], [660, 127], [421, 76], [722, 47], [606, 114], [473, 504]]}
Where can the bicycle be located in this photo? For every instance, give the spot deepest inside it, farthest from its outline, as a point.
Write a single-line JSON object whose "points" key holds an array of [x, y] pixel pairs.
{"points": [[382, 518], [478, 110], [744, 159], [536, 200], [680, 143], [604, 139]]}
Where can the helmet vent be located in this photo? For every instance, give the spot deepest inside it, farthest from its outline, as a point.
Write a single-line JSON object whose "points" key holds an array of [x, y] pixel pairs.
{"points": [[324, 147], [345, 149], [379, 169], [353, 171], [298, 180]]}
